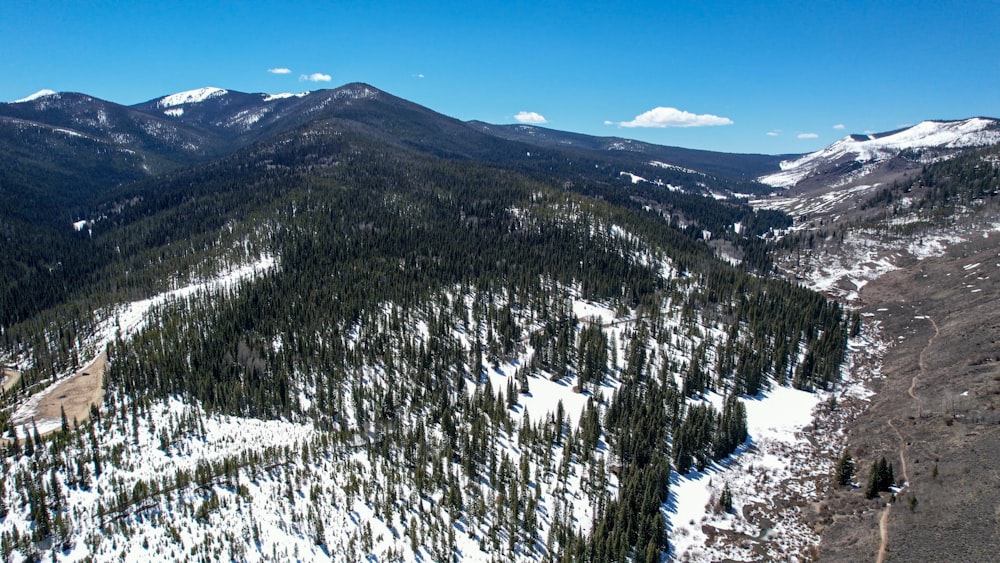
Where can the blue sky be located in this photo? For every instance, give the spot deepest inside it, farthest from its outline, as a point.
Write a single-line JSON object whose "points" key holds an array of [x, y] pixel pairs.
{"points": [[767, 77]]}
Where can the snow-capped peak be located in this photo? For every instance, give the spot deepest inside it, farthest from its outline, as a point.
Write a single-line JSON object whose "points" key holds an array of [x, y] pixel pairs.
{"points": [[864, 149], [190, 97], [35, 96]]}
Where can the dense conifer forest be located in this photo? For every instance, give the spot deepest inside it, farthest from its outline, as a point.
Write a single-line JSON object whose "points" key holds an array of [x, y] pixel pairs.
{"points": [[406, 282]]}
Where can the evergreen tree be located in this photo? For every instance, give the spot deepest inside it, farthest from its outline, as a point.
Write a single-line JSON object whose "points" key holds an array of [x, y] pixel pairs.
{"points": [[880, 478], [64, 425], [726, 499], [871, 489], [844, 472]]}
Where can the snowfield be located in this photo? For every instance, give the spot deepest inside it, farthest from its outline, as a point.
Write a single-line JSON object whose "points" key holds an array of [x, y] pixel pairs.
{"points": [[786, 463]]}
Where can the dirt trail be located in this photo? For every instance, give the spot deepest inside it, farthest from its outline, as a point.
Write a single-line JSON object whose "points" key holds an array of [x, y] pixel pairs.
{"points": [[923, 367], [902, 452], [883, 528], [883, 523], [10, 378], [76, 393]]}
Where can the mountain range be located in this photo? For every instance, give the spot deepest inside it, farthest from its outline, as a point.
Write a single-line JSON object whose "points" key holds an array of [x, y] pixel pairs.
{"points": [[340, 325], [198, 125]]}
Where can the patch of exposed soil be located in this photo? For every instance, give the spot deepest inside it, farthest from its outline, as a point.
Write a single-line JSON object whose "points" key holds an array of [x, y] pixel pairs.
{"points": [[74, 394]]}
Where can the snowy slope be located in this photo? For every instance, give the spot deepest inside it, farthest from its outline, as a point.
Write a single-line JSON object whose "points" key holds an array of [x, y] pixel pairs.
{"points": [[865, 149], [35, 96], [190, 97]]}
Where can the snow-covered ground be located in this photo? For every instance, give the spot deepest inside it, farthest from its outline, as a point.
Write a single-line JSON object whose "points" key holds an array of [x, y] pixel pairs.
{"points": [[190, 97], [770, 466], [794, 439], [284, 95], [800, 207]]}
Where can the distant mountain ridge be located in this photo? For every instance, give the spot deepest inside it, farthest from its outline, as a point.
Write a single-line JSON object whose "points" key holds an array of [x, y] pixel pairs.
{"points": [[201, 124], [855, 156], [723, 164], [197, 126], [63, 154]]}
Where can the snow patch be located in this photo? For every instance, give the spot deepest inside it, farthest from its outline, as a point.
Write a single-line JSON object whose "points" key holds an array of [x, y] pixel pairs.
{"points": [[659, 164], [635, 178], [775, 422], [932, 245], [284, 95]]}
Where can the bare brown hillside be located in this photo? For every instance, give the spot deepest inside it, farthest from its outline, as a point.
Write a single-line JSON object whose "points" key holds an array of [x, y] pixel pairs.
{"points": [[936, 414]]}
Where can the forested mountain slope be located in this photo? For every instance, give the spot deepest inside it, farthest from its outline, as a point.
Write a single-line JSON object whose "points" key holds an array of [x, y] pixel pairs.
{"points": [[354, 335]]}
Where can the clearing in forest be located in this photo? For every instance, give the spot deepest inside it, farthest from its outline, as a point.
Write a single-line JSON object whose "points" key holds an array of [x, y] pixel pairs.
{"points": [[75, 394]]}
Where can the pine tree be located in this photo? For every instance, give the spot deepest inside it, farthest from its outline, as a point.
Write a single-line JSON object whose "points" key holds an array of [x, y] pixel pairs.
{"points": [[880, 478], [726, 499], [39, 513], [884, 477], [844, 473], [871, 489], [64, 427], [95, 450], [29, 445]]}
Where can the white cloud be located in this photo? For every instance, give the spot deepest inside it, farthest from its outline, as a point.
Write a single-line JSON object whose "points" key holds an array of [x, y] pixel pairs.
{"points": [[608, 122], [420, 75], [673, 117], [808, 136], [316, 77], [774, 133], [280, 70], [838, 126], [530, 117]]}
